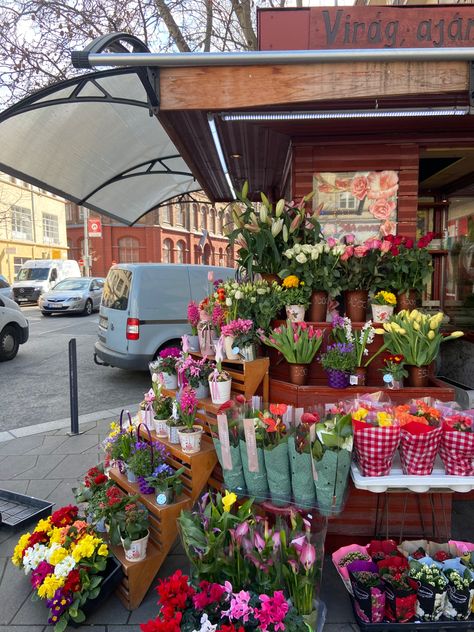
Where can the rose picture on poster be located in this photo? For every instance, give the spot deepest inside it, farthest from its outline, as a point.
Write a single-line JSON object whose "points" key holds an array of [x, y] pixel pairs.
{"points": [[363, 202]]}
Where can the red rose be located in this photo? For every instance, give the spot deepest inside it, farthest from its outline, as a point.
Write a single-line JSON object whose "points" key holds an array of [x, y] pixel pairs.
{"points": [[389, 237], [100, 479], [441, 556], [409, 242], [398, 240], [394, 251]]}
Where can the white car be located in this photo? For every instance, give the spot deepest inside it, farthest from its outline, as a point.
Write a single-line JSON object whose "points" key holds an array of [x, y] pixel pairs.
{"points": [[14, 329], [5, 288]]}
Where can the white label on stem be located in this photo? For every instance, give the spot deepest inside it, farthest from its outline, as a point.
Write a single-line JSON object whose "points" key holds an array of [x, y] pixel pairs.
{"points": [[223, 430]]}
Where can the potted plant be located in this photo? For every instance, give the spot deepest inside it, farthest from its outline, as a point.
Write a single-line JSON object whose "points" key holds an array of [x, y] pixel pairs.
{"points": [[220, 382], [316, 265], [339, 360], [195, 373], [167, 483], [298, 343], [238, 334], [258, 301], [173, 423], [129, 525], [165, 367], [142, 458], [193, 320], [394, 371], [190, 434], [92, 492], [416, 336], [343, 332], [383, 303], [118, 445], [295, 296], [161, 407]]}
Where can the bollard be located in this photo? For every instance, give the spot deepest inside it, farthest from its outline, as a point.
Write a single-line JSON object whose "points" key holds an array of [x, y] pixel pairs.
{"points": [[73, 393]]}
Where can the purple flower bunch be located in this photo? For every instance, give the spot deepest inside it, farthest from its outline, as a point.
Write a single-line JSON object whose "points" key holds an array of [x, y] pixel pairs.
{"points": [[194, 372], [170, 352], [58, 605], [340, 356]]}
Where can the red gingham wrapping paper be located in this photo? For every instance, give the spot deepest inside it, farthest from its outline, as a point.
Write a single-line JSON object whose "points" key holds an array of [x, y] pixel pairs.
{"points": [[375, 447], [457, 452], [418, 451]]}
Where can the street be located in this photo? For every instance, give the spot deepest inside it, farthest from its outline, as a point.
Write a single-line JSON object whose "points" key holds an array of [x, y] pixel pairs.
{"points": [[34, 387]]}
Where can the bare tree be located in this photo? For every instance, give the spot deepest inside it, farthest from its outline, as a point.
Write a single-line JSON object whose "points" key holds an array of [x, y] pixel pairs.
{"points": [[36, 36]]}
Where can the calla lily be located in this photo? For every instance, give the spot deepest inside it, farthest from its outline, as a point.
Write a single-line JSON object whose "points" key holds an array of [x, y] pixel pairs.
{"points": [[298, 542], [258, 541], [241, 531], [308, 556]]}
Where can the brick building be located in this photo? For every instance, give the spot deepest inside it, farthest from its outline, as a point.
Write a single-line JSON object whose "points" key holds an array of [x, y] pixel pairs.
{"points": [[186, 232]]}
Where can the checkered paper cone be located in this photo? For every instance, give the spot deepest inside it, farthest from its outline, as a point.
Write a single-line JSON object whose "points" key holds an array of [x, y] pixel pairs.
{"points": [[457, 452], [375, 447], [419, 446]]}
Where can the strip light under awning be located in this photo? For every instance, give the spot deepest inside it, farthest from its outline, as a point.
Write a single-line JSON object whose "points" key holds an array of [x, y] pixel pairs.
{"points": [[340, 114]]}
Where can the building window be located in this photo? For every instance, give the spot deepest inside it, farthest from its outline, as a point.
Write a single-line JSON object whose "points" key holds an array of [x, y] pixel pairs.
{"points": [[167, 247], [228, 221], [22, 226], [220, 219], [129, 250], [81, 213], [213, 220], [179, 215], [50, 229], [195, 217], [203, 218], [197, 254], [17, 263], [221, 258], [69, 212], [230, 263], [166, 214], [206, 256], [180, 252]]}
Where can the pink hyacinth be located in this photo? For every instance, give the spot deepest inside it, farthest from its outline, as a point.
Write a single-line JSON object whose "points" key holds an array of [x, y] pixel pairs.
{"points": [[188, 401], [218, 314], [193, 314]]}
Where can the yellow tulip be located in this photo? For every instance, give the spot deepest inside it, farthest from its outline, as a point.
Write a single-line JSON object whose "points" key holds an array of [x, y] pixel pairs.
{"points": [[379, 331], [416, 326], [414, 314], [431, 334], [388, 327], [456, 334], [401, 331], [228, 500]]}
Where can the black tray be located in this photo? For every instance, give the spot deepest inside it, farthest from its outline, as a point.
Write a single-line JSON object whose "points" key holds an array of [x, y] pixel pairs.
{"points": [[113, 575], [16, 510], [414, 626]]}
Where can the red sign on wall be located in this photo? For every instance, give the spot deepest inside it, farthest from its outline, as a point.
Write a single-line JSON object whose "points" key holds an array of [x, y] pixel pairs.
{"points": [[94, 227], [326, 28]]}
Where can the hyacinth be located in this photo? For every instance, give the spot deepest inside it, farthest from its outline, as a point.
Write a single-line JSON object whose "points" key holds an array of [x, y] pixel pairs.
{"points": [[193, 314], [170, 352], [218, 315], [188, 402]]}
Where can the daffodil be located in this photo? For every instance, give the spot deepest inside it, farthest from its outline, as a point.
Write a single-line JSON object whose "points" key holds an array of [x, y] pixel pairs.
{"points": [[228, 500]]}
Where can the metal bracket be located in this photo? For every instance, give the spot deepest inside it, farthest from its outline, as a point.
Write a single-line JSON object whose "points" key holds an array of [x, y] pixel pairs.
{"points": [[471, 87], [111, 42], [150, 78]]}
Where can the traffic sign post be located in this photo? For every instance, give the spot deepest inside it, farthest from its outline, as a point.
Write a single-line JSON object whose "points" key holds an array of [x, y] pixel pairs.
{"points": [[81, 262]]}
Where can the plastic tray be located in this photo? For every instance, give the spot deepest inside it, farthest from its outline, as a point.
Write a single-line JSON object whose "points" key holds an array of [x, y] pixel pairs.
{"points": [[16, 510], [438, 479], [414, 626]]}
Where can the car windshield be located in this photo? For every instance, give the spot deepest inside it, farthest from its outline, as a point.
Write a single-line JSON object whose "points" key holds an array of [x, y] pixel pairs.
{"points": [[33, 274], [72, 284]]}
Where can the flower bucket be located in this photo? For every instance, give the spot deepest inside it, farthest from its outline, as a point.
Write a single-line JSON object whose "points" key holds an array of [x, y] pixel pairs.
{"points": [[137, 550], [169, 381], [233, 479], [220, 391], [256, 482], [193, 342], [205, 341], [190, 441], [318, 307], [277, 465], [165, 497], [331, 481], [228, 346], [202, 391], [161, 427], [406, 300], [295, 313], [131, 477], [418, 375], [248, 353], [382, 313], [299, 374], [173, 434], [356, 305], [337, 379], [301, 472]]}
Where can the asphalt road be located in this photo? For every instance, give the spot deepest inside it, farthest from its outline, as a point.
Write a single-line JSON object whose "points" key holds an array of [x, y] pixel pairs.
{"points": [[34, 387]]}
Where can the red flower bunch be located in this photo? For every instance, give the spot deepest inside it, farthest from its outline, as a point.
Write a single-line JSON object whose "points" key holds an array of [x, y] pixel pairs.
{"points": [[459, 422], [230, 628], [73, 582], [65, 516], [171, 624], [209, 594], [95, 477], [38, 537], [173, 594], [114, 495], [426, 239]]}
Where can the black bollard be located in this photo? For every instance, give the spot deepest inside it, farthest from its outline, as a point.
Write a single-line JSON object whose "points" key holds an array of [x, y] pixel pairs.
{"points": [[73, 394]]}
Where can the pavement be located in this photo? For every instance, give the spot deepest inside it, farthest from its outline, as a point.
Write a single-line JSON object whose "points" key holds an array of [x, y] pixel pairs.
{"points": [[47, 463]]}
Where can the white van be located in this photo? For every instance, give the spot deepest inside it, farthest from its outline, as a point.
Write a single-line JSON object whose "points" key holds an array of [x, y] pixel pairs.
{"points": [[144, 308], [14, 329], [37, 276]]}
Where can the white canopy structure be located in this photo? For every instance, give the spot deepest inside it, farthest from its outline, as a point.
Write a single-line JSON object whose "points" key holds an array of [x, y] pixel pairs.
{"points": [[94, 140]]}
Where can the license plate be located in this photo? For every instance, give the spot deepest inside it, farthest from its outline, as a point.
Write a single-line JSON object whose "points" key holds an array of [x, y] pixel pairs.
{"points": [[22, 300], [103, 322]]}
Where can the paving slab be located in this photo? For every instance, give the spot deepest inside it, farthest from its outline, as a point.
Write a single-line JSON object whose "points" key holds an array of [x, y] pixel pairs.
{"points": [[43, 465], [23, 628], [21, 446], [42, 488], [50, 445], [111, 611], [76, 444], [16, 464], [73, 466], [14, 594]]}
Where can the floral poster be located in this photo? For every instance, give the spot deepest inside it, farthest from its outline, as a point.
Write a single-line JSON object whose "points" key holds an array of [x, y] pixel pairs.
{"points": [[363, 202]]}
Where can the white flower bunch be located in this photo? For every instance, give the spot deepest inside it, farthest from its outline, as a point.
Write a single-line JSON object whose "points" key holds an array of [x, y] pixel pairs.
{"points": [[431, 575], [34, 556], [65, 566], [206, 625]]}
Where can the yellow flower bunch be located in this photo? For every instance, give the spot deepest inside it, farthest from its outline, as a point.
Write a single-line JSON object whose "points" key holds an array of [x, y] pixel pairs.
{"points": [[292, 281], [360, 414], [49, 586], [385, 298], [57, 556], [44, 525], [85, 547], [380, 418], [19, 548]]}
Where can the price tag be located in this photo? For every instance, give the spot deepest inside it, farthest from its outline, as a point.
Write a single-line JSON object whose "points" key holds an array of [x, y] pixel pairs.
{"points": [[251, 441], [223, 431]]}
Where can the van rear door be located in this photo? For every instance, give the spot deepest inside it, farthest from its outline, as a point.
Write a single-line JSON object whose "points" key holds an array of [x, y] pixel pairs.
{"points": [[114, 310]]}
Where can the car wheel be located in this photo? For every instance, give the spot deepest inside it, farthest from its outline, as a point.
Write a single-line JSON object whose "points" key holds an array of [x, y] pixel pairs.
{"points": [[46, 314], [9, 343], [88, 309]]}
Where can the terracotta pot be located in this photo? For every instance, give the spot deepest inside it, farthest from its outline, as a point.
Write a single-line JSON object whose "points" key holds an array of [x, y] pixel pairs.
{"points": [[418, 375], [406, 300], [269, 278], [318, 307], [295, 313], [356, 305], [299, 374], [358, 376]]}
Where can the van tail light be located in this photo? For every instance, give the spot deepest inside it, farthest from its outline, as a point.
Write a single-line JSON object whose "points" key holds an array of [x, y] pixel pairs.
{"points": [[133, 329]]}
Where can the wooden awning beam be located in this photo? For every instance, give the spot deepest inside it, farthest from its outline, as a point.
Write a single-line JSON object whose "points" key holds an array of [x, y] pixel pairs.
{"points": [[233, 87]]}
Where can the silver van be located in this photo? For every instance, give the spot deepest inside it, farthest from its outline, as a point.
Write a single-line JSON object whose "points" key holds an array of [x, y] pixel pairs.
{"points": [[144, 308]]}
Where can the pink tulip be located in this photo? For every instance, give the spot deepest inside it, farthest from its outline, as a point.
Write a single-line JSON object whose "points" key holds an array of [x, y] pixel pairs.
{"points": [[296, 337], [331, 242], [308, 556]]}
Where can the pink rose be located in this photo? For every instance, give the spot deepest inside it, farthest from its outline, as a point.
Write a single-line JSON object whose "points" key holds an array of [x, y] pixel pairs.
{"points": [[388, 228], [382, 208], [359, 187], [349, 239], [386, 245], [348, 252], [360, 251], [373, 244], [382, 184], [331, 242]]}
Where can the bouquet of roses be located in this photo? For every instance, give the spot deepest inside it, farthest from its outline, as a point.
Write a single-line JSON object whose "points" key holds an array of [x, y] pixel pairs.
{"points": [[376, 436], [457, 443], [428, 580], [65, 558], [332, 455], [299, 449], [368, 591], [420, 435], [226, 436]]}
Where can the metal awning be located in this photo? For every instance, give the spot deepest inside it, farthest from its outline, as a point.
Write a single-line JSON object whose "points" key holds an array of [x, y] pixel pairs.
{"points": [[93, 140]]}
